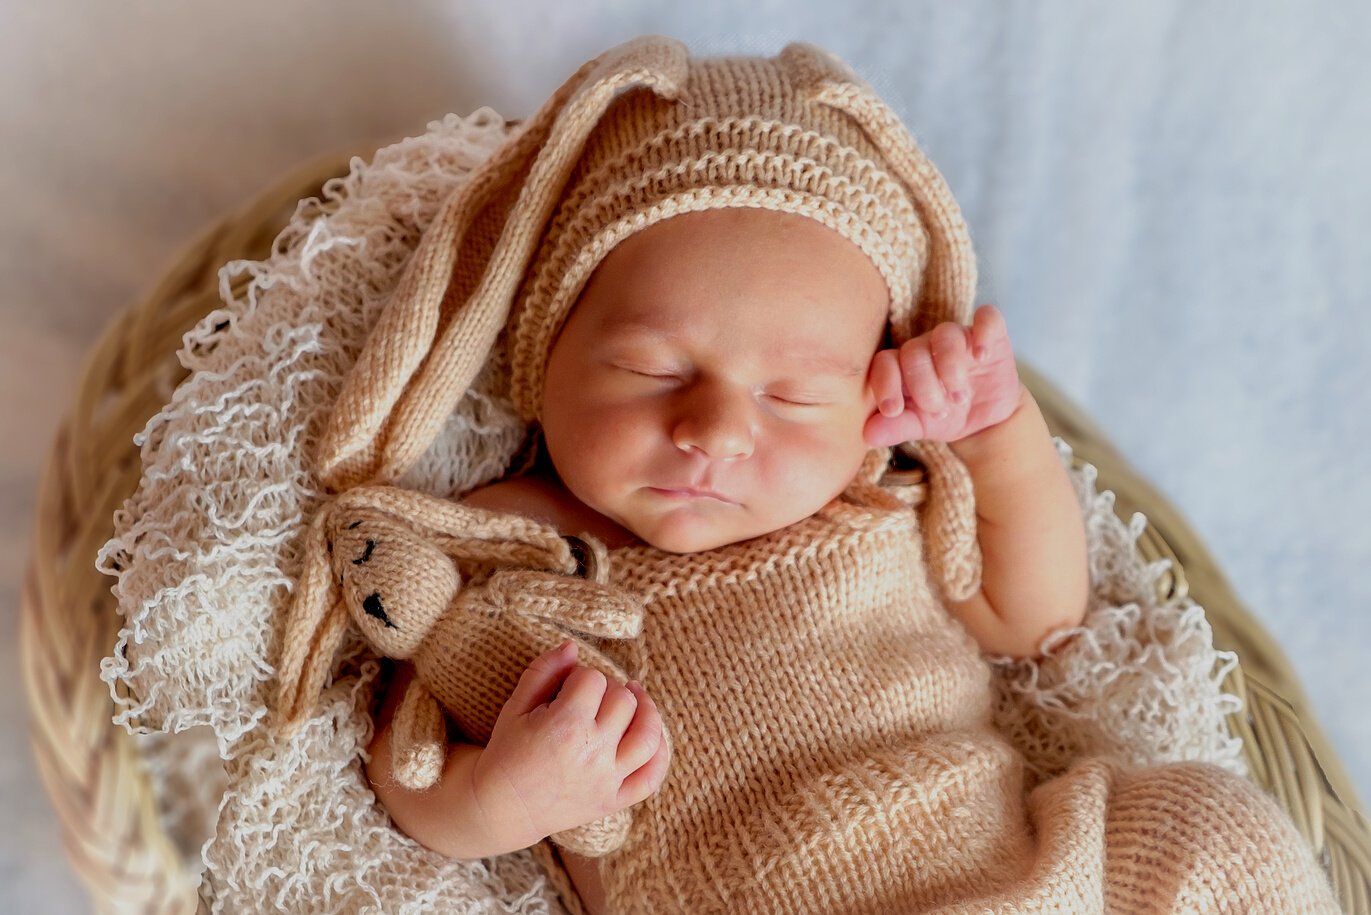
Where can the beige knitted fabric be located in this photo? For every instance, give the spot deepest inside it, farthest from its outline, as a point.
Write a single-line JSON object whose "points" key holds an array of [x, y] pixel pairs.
{"points": [[745, 133], [847, 762], [798, 133], [470, 597]]}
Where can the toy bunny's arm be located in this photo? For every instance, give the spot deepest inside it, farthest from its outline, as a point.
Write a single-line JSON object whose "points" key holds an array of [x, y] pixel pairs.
{"points": [[418, 738], [445, 817]]}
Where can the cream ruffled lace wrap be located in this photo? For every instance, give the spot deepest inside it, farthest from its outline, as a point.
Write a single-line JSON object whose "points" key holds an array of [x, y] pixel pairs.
{"points": [[208, 551]]}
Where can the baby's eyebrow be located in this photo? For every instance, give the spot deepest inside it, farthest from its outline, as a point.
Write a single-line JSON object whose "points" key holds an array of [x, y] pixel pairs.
{"points": [[817, 358]]}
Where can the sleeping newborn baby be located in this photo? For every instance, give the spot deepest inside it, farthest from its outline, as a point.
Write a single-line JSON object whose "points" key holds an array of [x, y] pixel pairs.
{"points": [[725, 287], [717, 381]]}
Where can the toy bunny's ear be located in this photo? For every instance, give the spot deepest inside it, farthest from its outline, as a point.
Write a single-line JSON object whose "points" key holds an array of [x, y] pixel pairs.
{"points": [[458, 287], [300, 689], [313, 631], [947, 288], [459, 530]]}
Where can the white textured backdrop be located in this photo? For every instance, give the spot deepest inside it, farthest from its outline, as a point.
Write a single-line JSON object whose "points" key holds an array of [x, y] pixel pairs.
{"points": [[1170, 202]]}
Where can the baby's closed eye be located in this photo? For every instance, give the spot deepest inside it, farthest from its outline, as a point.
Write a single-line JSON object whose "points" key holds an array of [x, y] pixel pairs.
{"points": [[786, 396], [799, 400]]}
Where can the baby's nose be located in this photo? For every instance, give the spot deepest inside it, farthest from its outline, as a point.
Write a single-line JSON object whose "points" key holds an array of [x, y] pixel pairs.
{"points": [[719, 423]]}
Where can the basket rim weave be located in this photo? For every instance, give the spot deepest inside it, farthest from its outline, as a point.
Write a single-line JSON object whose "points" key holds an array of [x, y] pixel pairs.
{"points": [[69, 619]]}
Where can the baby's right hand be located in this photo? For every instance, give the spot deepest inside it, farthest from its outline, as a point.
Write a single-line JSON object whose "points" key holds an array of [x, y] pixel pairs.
{"points": [[560, 759]]}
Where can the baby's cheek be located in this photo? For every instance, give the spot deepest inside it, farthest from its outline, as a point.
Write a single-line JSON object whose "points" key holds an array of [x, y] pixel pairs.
{"points": [[834, 445], [618, 443]]}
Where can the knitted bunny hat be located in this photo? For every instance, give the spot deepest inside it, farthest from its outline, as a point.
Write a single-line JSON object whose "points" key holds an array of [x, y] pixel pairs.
{"points": [[638, 134]]}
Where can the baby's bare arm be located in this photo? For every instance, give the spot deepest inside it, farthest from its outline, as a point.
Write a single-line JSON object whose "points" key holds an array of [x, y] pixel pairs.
{"points": [[446, 817], [1035, 567], [960, 385]]}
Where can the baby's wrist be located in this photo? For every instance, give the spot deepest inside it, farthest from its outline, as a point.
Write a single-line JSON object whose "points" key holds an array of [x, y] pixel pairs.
{"points": [[976, 445], [503, 819]]}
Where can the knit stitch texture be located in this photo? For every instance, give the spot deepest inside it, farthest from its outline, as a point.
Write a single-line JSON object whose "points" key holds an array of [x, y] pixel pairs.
{"points": [[848, 762]]}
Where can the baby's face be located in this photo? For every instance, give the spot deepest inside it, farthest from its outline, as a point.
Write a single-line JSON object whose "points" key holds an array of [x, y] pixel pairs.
{"points": [[725, 350]]}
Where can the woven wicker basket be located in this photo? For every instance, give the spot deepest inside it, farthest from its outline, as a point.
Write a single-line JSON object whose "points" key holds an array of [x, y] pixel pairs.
{"points": [[68, 619]]}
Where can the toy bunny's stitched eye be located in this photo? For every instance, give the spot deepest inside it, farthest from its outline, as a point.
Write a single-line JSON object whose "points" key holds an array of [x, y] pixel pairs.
{"points": [[371, 545], [372, 605]]}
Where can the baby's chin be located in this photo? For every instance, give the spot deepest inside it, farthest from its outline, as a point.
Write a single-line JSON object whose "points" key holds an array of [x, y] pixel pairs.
{"points": [[690, 542], [686, 531]]}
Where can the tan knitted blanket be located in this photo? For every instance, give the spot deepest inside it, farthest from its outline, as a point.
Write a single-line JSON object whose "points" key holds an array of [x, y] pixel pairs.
{"points": [[847, 760], [206, 555]]}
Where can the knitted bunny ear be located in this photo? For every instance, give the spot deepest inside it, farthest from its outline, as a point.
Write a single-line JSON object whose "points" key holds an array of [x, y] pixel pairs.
{"points": [[463, 531], [457, 289], [947, 288], [315, 628], [946, 292]]}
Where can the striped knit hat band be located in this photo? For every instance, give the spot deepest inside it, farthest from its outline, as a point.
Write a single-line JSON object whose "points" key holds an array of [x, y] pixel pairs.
{"points": [[705, 164], [649, 159]]}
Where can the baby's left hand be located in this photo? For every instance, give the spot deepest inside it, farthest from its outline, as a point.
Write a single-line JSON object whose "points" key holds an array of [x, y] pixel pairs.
{"points": [[946, 384]]}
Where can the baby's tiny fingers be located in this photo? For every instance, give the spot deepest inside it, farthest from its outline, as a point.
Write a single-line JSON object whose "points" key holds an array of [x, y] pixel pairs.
{"points": [[643, 735], [647, 778], [987, 329], [542, 680], [617, 708], [921, 377], [886, 383], [891, 430], [948, 344], [581, 693]]}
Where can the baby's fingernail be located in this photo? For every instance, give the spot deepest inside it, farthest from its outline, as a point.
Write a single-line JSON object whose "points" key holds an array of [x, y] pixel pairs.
{"points": [[890, 406], [979, 352]]}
